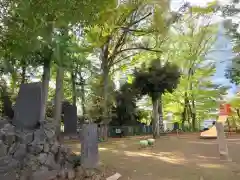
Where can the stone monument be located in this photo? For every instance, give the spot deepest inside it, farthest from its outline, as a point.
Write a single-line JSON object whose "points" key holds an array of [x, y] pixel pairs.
{"points": [[89, 146], [70, 119], [225, 110], [222, 142], [28, 106]]}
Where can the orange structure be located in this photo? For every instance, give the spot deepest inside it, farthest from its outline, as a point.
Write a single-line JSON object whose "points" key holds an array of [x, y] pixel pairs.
{"points": [[225, 109], [224, 112]]}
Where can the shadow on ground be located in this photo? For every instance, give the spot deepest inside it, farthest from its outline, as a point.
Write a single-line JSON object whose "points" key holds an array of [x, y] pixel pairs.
{"points": [[172, 158]]}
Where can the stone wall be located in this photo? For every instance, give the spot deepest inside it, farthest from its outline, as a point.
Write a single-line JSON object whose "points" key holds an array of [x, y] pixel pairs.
{"points": [[33, 154]]}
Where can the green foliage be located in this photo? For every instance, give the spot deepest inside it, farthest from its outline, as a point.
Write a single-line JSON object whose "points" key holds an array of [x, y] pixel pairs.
{"points": [[231, 11], [209, 9], [125, 110], [75, 35], [233, 72], [196, 96], [94, 101], [204, 93], [157, 79], [235, 111], [28, 25]]}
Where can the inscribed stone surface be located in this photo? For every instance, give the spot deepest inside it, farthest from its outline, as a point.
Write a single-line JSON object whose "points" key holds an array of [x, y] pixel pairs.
{"points": [[70, 119], [89, 146], [28, 106]]}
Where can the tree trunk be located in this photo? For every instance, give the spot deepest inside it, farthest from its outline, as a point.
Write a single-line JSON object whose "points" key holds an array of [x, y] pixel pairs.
{"points": [[105, 96], [6, 101], [82, 84], [14, 82], [155, 124], [193, 108], [105, 76], [105, 104], [184, 113], [238, 112], [74, 96], [183, 118], [160, 111], [190, 114], [23, 74], [193, 116], [58, 99], [45, 86], [47, 57]]}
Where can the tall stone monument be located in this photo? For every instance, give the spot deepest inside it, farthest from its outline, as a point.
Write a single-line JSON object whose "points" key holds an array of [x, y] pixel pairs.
{"points": [[225, 110], [222, 142], [89, 146], [70, 119], [28, 106]]}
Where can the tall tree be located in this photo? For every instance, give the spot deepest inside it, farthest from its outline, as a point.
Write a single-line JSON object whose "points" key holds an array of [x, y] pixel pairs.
{"points": [[60, 53], [126, 31], [192, 38], [155, 80]]}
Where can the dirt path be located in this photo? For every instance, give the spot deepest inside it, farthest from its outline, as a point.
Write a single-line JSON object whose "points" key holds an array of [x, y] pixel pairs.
{"points": [[172, 158]]}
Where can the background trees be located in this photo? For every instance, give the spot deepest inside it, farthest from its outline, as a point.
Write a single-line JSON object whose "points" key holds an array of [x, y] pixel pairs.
{"points": [[230, 11], [86, 52]]}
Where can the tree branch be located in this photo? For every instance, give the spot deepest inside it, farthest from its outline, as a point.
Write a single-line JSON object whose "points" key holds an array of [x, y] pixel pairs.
{"points": [[120, 42], [145, 31], [121, 39], [123, 58], [139, 20], [140, 48]]}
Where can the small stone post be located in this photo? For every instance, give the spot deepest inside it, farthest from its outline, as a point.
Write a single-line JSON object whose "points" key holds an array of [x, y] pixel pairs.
{"points": [[222, 142], [89, 146]]}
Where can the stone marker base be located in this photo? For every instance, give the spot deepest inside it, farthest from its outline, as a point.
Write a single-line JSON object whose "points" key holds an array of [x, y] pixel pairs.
{"points": [[225, 157]]}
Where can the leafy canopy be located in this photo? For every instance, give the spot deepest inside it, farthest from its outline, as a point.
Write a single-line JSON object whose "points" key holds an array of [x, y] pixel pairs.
{"points": [[230, 12], [157, 79]]}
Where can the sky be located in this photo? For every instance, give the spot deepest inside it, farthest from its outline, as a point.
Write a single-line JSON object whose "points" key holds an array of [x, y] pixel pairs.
{"points": [[222, 46], [223, 59]]}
